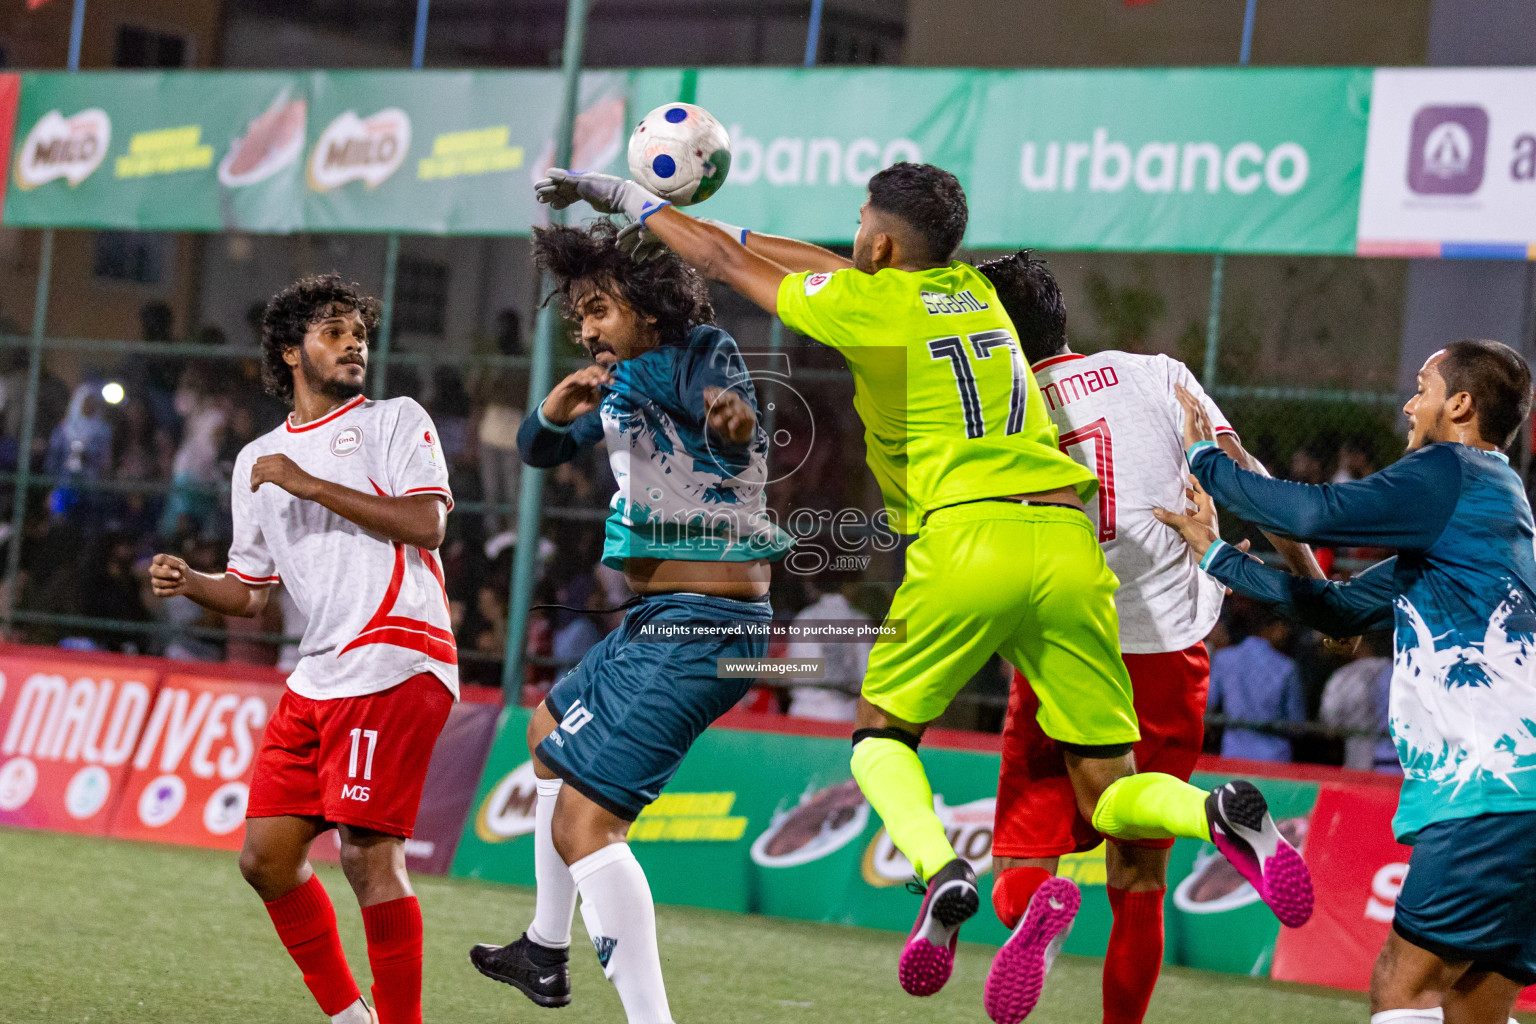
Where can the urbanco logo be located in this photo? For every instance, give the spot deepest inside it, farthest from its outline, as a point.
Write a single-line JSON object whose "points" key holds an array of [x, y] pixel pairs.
{"points": [[821, 161], [1108, 165]]}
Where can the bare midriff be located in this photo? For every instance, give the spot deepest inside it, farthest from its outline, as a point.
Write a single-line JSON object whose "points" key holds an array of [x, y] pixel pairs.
{"points": [[738, 581]]}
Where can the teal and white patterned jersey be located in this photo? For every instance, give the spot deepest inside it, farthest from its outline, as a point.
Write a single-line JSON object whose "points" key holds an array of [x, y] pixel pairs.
{"points": [[683, 492]]}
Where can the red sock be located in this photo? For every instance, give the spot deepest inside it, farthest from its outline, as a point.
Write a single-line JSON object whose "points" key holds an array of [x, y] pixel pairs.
{"points": [[1135, 954], [306, 924], [394, 953], [1011, 892]]}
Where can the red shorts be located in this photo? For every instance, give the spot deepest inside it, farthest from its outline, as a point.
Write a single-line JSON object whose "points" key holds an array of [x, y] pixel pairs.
{"points": [[352, 760], [1037, 813]]}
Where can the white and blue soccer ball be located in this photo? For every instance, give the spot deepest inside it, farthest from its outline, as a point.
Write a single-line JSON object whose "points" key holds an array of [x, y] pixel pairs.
{"points": [[680, 153]]}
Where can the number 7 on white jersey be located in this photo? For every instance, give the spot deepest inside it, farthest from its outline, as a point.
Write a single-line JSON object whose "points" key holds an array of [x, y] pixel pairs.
{"points": [[1096, 444]]}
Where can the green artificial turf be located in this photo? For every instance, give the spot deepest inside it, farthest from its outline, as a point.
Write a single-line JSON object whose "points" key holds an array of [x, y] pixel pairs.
{"points": [[103, 931]]}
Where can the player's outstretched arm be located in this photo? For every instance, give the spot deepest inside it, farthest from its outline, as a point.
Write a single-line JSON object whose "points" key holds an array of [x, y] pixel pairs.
{"points": [[714, 252], [1333, 608], [1297, 555], [791, 254], [419, 520], [170, 576], [720, 257], [1404, 506]]}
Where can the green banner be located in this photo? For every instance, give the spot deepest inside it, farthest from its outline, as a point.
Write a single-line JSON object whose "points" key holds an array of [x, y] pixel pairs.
{"points": [[1211, 159], [1266, 160], [428, 152], [772, 823], [804, 143]]}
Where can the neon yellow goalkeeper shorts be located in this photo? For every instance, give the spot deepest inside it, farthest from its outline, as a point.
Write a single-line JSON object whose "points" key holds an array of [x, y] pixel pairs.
{"points": [[1025, 582]]}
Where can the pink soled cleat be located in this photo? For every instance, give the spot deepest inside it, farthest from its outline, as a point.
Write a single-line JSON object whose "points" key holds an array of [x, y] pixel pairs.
{"points": [[949, 901], [1019, 969], [1244, 832]]}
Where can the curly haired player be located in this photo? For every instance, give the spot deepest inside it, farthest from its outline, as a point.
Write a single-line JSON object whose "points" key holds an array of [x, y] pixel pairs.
{"points": [[345, 504], [670, 396]]}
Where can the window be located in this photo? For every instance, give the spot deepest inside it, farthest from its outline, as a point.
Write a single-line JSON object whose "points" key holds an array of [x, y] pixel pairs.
{"points": [[141, 48], [421, 296]]}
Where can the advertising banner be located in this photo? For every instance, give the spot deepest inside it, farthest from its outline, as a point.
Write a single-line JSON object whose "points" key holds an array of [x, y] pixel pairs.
{"points": [[1357, 871], [1450, 164], [773, 823], [191, 772], [805, 142], [1207, 160], [1259, 160], [427, 152], [68, 733]]}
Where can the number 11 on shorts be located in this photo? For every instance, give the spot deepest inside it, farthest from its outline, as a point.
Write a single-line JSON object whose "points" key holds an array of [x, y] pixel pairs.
{"points": [[358, 735]]}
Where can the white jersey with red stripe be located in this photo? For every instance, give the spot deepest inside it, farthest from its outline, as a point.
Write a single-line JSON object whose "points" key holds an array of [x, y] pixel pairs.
{"points": [[1117, 414], [376, 611]]}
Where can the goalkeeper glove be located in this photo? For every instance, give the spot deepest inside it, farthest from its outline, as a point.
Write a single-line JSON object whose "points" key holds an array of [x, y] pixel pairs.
{"points": [[603, 192]]}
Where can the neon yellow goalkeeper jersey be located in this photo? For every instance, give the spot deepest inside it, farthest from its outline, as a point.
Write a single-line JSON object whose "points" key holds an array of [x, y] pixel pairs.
{"points": [[951, 411]]}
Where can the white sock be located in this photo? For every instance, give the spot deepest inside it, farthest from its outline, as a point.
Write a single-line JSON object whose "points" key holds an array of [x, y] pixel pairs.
{"points": [[621, 919], [554, 899], [1433, 1015], [357, 1013]]}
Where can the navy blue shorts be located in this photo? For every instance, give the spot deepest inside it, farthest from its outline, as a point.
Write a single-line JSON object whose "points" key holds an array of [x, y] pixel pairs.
{"points": [[1470, 893], [632, 708]]}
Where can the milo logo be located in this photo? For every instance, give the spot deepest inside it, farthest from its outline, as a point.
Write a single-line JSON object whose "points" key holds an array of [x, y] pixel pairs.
{"points": [[59, 147], [354, 149], [508, 809], [968, 826]]}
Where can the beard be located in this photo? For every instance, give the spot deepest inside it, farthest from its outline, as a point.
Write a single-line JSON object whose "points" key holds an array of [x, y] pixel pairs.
{"points": [[334, 388]]}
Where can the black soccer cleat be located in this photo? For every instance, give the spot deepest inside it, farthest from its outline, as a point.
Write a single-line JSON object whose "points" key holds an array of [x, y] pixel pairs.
{"points": [[949, 900], [542, 973]]}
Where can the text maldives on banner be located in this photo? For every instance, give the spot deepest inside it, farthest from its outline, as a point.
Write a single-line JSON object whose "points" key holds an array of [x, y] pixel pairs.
{"points": [[68, 731], [799, 163], [1450, 164], [1264, 161], [192, 770]]}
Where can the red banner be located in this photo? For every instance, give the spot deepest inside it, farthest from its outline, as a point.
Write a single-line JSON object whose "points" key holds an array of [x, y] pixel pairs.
{"points": [[1357, 872], [68, 731], [144, 748], [192, 769]]}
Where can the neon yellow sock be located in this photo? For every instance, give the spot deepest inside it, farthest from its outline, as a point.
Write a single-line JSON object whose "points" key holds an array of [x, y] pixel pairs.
{"points": [[1152, 806], [892, 778]]}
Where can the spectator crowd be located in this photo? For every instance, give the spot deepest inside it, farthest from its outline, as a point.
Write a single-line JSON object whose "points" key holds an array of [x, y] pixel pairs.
{"points": [[137, 457]]}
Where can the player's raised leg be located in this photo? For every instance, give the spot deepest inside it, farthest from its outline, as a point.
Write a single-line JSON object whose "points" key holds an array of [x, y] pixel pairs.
{"points": [[1235, 817], [275, 861], [891, 775], [538, 962]]}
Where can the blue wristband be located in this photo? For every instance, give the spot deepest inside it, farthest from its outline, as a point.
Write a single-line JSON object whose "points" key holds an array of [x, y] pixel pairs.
{"points": [[1195, 449], [1211, 553], [553, 427]]}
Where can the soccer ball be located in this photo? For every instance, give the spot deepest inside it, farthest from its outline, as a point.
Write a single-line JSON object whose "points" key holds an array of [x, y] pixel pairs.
{"points": [[681, 153]]}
